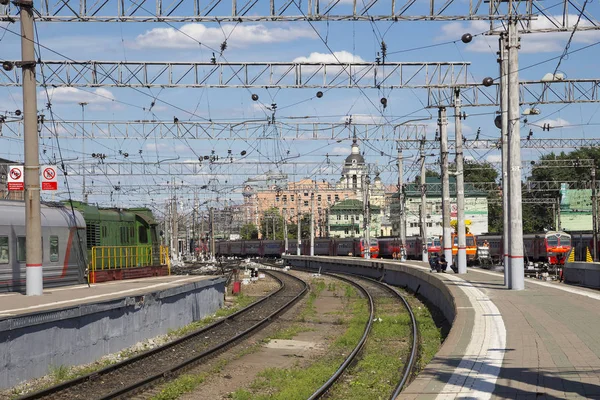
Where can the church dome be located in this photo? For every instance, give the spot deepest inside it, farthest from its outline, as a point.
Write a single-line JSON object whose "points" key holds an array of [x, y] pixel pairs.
{"points": [[355, 158]]}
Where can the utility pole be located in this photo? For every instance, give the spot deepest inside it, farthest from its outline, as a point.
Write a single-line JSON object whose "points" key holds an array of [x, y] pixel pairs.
{"points": [[299, 241], [517, 268], [84, 192], [34, 271], [594, 212], [212, 233], [423, 211], [460, 187], [504, 140], [312, 224], [558, 224], [285, 232], [446, 228], [402, 216], [366, 224]]}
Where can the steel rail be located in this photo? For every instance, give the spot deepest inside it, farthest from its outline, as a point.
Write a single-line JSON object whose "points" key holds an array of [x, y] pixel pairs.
{"points": [[327, 385], [137, 385]]}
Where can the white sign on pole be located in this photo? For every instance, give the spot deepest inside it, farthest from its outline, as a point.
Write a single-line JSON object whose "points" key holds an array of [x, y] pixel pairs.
{"points": [[49, 178], [15, 178]]}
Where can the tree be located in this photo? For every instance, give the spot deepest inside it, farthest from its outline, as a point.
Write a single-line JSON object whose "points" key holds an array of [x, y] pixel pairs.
{"points": [[428, 173], [249, 231], [305, 227], [540, 217], [482, 172]]}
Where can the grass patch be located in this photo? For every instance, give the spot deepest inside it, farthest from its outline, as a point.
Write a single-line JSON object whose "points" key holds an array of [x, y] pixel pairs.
{"points": [[183, 384], [300, 381], [241, 301]]}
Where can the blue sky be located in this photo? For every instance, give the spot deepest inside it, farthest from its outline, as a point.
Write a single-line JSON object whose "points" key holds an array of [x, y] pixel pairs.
{"points": [[282, 42]]}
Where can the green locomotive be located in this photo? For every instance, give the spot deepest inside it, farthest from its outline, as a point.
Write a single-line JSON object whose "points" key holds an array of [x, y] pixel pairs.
{"points": [[120, 242]]}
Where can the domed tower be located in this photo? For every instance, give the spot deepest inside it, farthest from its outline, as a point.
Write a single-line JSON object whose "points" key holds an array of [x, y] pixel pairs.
{"points": [[354, 169]]}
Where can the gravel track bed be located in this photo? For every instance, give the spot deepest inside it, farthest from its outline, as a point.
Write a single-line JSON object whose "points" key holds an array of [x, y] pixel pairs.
{"points": [[103, 384]]}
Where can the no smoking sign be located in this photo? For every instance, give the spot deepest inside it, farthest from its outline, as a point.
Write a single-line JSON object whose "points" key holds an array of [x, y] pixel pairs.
{"points": [[49, 178]]}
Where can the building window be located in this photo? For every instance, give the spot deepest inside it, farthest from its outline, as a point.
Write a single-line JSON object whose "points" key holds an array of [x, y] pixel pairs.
{"points": [[284, 198], [328, 197], [21, 249], [277, 199], [305, 203], [291, 197], [346, 217], [339, 217], [305, 194], [337, 198], [319, 197], [429, 224], [53, 248], [3, 249]]}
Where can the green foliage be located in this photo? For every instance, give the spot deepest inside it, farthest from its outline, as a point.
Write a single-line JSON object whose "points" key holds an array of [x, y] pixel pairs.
{"points": [[60, 373], [183, 384], [249, 231]]}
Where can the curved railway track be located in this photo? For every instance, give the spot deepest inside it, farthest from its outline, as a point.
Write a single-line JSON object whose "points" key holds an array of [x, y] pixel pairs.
{"points": [[374, 289], [124, 379]]}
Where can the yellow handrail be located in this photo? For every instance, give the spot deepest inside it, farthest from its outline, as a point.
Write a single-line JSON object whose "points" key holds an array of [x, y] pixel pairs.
{"points": [[118, 257]]}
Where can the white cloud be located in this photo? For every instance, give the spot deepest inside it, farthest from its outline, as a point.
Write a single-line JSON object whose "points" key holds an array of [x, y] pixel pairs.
{"points": [[340, 150], [554, 123], [530, 43], [188, 36], [494, 158], [337, 56], [74, 95], [362, 119]]}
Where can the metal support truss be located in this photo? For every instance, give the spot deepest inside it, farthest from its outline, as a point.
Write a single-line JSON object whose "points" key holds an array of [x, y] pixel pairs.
{"points": [[280, 10], [531, 92], [409, 134], [246, 74]]}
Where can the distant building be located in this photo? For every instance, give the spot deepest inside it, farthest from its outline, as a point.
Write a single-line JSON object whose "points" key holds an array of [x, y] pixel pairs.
{"points": [[346, 219], [476, 208], [575, 209]]}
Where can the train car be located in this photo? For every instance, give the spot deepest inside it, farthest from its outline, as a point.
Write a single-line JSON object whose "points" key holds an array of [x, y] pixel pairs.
{"points": [[272, 248], [471, 244], [346, 247], [558, 245], [434, 246], [414, 248], [63, 246], [388, 247], [372, 245], [252, 248]]}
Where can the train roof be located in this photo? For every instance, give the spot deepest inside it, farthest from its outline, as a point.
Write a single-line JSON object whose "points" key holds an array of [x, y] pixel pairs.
{"points": [[12, 212], [92, 212]]}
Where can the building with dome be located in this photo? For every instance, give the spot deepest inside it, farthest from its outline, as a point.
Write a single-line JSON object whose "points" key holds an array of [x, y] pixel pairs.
{"points": [[313, 196]]}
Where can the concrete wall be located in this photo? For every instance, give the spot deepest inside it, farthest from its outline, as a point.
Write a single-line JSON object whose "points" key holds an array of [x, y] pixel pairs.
{"points": [[398, 274], [582, 273], [30, 344]]}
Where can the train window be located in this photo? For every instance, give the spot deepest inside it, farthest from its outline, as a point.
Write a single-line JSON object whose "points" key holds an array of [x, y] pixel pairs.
{"points": [[143, 234], [3, 249], [53, 248], [565, 241], [21, 249], [470, 241], [552, 241]]}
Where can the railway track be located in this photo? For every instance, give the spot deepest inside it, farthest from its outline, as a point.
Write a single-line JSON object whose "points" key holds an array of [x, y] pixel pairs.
{"points": [[127, 378], [374, 289]]}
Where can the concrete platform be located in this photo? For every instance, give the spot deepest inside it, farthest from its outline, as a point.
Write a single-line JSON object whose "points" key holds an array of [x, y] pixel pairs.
{"points": [[539, 343], [79, 324], [13, 304]]}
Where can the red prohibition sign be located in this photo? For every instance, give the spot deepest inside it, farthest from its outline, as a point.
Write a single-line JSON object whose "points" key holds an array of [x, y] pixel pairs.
{"points": [[15, 174], [48, 174]]}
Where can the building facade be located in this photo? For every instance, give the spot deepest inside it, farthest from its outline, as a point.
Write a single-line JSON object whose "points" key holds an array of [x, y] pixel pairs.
{"points": [[346, 220], [476, 208]]}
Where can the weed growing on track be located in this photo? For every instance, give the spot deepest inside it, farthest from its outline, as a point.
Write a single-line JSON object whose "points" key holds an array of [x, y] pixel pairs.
{"points": [[300, 382], [181, 385]]}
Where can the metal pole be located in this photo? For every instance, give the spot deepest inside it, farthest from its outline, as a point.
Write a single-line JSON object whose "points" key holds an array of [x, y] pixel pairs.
{"points": [[425, 253], [33, 231], [402, 216], [83, 104], [558, 224], [312, 224], [285, 232], [594, 213], [504, 141], [299, 241], [517, 277], [460, 187], [446, 228], [212, 234], [366, 222]]}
